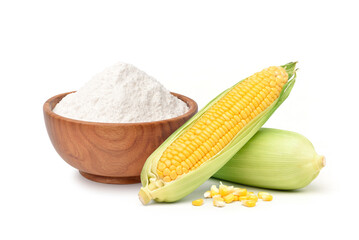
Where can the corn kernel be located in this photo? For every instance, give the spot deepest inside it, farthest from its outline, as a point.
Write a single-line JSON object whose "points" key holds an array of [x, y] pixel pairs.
{"points": [[228, 198], [161, 166], [214, 190], [218, 201], [260, 194], [267, 197], [242, 198], [252, 197], [167, 179], [197, 202], [224, 190], [207, 194], [240, 191], [249, 203], [166, 172]]}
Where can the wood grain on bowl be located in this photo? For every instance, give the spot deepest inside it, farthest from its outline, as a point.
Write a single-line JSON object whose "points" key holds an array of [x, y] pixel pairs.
{"points": [[109, 152]]}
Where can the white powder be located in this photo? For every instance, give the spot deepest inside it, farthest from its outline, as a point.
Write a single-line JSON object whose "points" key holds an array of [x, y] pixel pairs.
{"points": [[121, 94]]}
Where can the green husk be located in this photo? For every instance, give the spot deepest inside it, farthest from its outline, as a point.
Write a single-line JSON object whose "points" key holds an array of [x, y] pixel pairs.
{"points": [[275, 159], [185, 184]]}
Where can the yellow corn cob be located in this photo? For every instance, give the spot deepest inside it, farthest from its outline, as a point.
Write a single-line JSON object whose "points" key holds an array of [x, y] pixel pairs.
{"points": [[197, 202], [218, 126], [207, 141]]}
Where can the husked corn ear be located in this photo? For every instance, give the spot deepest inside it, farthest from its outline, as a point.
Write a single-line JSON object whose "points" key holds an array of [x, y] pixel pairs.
{"points": [[219, 124], [274, 159], [208, 140], [197, 202]]}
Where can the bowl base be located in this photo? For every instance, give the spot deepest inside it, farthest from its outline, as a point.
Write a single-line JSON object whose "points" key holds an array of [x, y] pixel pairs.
{"points": [[110, 180]]}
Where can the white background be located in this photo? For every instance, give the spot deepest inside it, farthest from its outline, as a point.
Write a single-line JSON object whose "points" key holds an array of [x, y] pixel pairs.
{"points": [[196, 48]]}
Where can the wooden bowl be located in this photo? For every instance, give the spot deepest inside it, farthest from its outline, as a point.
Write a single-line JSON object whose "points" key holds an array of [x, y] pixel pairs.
{"points": [[109, 152]]}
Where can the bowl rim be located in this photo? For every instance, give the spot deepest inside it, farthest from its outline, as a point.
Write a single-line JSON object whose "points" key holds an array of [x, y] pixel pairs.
{"points": [[192, 109]]}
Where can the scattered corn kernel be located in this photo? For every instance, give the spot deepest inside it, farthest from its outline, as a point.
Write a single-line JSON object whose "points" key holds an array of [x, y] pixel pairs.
{"points": [[249, 203], [224, 190], [224, 194], [252, 197], [242, 198], [207, 194], [197, 202], [267, 197], [214, 190], [218, 201], [260, 194], [229, 198], [240, 191]]}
